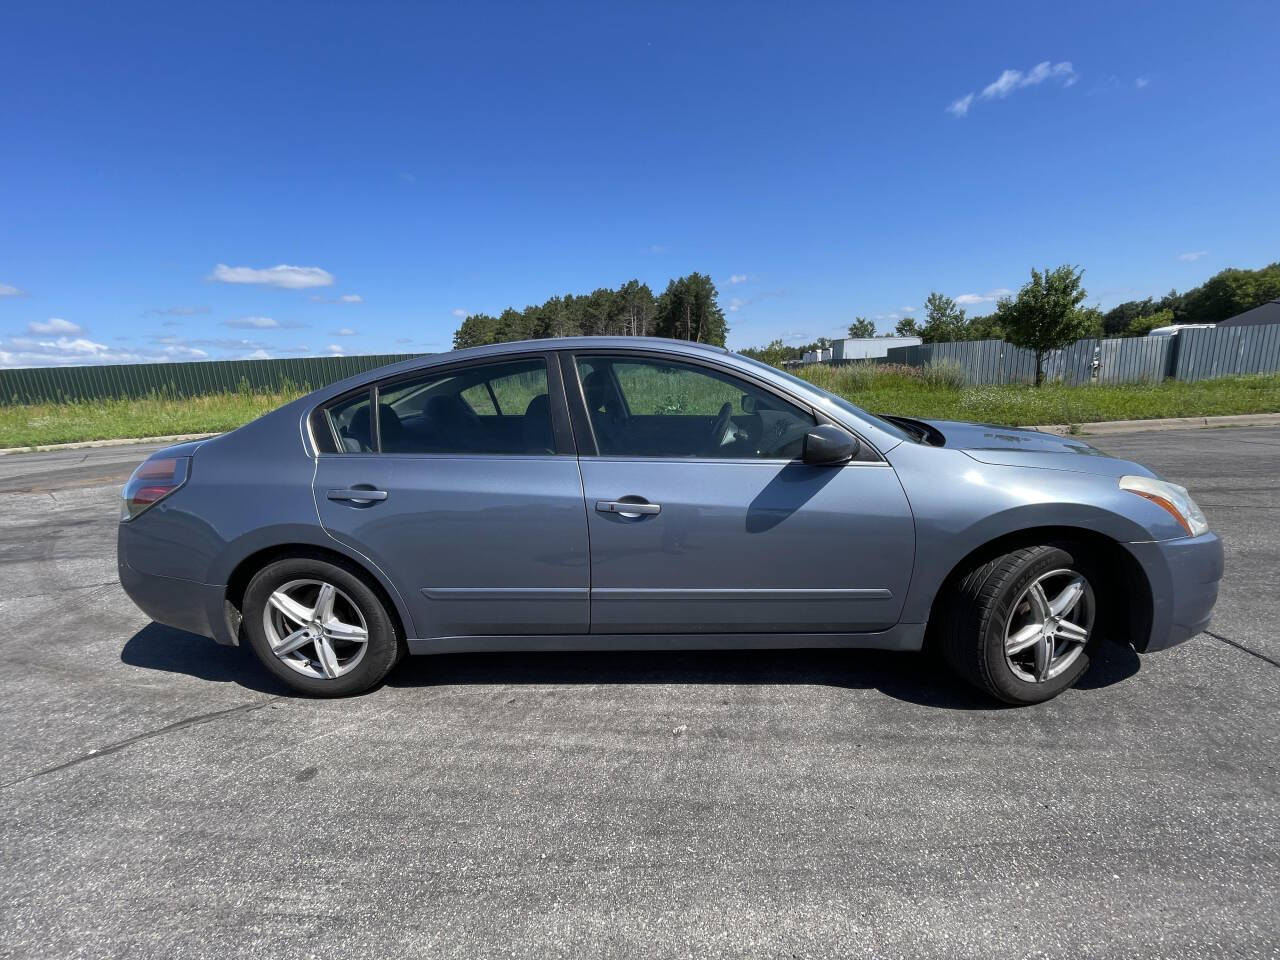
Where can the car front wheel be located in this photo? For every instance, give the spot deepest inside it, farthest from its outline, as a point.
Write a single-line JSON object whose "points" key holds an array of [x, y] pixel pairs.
{"points": [[1019, 626], [319, 627]]}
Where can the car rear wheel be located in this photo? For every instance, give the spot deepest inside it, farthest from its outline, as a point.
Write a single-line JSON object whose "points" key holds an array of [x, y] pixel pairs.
{"points": [[319, 627], [1019, 626]]}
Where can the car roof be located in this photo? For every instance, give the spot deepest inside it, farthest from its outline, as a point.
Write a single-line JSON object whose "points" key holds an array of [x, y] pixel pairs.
{"points": [[518, 347]]}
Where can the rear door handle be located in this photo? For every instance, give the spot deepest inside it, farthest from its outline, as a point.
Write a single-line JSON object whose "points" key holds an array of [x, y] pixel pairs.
{"points": [[627, 508], [360, 496]]}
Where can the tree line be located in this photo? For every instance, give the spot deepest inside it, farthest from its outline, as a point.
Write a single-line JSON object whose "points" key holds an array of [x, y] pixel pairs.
{"points": [[688, 309], [1048, 313], [1224, 295]]}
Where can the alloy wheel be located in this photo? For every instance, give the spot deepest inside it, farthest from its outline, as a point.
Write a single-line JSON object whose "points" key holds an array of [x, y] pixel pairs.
{"points": [[1049, 626], [314, 628]]}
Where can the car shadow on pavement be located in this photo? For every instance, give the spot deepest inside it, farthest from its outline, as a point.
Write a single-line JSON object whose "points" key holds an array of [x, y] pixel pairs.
{"points": [[157, 647], [911, 677]]}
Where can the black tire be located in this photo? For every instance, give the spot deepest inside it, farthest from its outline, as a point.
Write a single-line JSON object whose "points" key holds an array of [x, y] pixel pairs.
{"points": [[383, 650], [977, 610]]}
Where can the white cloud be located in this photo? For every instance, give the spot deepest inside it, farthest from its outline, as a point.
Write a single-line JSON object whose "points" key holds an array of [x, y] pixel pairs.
{"points": [[253, 323], [335, 349], [459, 313], [1011, 80], [345, 298], [79, 351], [907, 309], [737, 278], [283, 276], [991, 296], [258, 354], [658, 248], [960, 107], [1141, 82], [344, 332], [1192, 255], [177, 312], [53, 325], [8, 291]]}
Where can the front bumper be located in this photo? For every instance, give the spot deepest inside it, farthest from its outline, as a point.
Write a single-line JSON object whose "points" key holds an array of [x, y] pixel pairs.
{"points": [[1184, 576], [184, 604]]}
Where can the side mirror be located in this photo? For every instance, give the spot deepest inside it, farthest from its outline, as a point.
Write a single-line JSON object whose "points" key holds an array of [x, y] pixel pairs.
{"points": [[826, 445]]}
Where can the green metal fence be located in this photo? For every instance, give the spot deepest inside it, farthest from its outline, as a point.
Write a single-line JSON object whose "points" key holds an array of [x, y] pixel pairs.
{"points": [[133, 380]]}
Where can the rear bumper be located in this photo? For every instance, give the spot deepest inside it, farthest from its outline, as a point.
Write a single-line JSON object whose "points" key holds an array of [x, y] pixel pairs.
{"points": [[1184, 576], [184, 604]]}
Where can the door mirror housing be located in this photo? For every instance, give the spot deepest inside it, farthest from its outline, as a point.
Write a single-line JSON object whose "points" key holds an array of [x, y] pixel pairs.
{"points": [[827, 445]]}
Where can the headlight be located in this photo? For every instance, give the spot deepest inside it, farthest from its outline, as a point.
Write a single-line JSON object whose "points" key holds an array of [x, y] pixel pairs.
{"points": [[1171, 497]]}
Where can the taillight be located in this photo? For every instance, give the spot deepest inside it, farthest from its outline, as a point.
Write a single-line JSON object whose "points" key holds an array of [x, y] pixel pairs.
{"points": [[152, 482]]}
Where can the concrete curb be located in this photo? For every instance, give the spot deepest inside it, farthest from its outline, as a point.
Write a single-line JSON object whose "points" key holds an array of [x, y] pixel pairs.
{"points": [[1106, 427], [85, 444], [1071, 429]]}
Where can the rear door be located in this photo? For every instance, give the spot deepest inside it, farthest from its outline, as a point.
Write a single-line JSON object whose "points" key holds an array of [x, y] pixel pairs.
{"points": [[464, 490], [704, 520]]}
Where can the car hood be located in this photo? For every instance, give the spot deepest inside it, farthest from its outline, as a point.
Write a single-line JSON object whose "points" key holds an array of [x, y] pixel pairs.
{"points": [[1019, 447]]}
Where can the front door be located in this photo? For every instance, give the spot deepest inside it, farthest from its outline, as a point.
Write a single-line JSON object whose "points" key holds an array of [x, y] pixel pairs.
{"points": [[467, 497], [703, 519]]}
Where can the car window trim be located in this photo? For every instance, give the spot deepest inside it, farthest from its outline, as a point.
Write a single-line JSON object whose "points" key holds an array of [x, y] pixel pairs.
{"points": [[561, 423], [584, 432]]}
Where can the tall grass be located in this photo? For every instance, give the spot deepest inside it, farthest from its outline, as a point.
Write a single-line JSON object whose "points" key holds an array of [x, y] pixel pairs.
{"points": [[941, 394], [151, 416], [937, 392]]}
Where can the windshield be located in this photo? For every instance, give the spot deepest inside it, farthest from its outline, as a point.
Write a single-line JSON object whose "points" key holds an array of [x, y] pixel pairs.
{"points": [[885, 425]]}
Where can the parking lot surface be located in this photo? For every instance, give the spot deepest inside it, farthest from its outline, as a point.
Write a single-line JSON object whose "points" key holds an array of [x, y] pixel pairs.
{"points": [[163, 797]]}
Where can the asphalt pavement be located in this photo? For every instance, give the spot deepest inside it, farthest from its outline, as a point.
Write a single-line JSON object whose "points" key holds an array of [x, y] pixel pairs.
{"points": [[161, 796]]}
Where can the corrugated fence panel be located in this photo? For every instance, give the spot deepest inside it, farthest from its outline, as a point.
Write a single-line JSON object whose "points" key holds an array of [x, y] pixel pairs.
{"points": [[1191, 355], [132, 380], [1134, 359], [1221, 352]]}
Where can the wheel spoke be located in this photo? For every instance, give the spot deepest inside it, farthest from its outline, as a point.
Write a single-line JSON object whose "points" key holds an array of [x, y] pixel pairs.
{"points": [[1039, 602], [1044, 657], [324, 603], [299, 638], [337, 630], [1072, 631], [1024, 638], [1064, 602], [290, 607], [327, 658]]}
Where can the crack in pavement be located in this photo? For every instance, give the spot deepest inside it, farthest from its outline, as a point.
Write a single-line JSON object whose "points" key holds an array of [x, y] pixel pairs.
{"points": [[1241, 646], [147, 735]]}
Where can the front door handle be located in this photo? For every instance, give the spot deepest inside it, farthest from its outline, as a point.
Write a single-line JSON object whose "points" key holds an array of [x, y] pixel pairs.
{"points": [[629, 508], [359, 496]]}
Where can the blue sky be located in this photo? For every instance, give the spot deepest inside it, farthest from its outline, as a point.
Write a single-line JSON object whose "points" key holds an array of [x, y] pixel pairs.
{"points": [[226, 180]]}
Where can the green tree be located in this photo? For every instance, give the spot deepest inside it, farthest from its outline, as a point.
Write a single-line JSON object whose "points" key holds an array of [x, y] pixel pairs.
{"points": [[476, 330], [984, 328], [1141, 326], [907, 327], [944, 320], [862, 327], [1119, 319], [1230, 292], [635, 305], [1046, 314], [689, 310], [774, 353]]}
